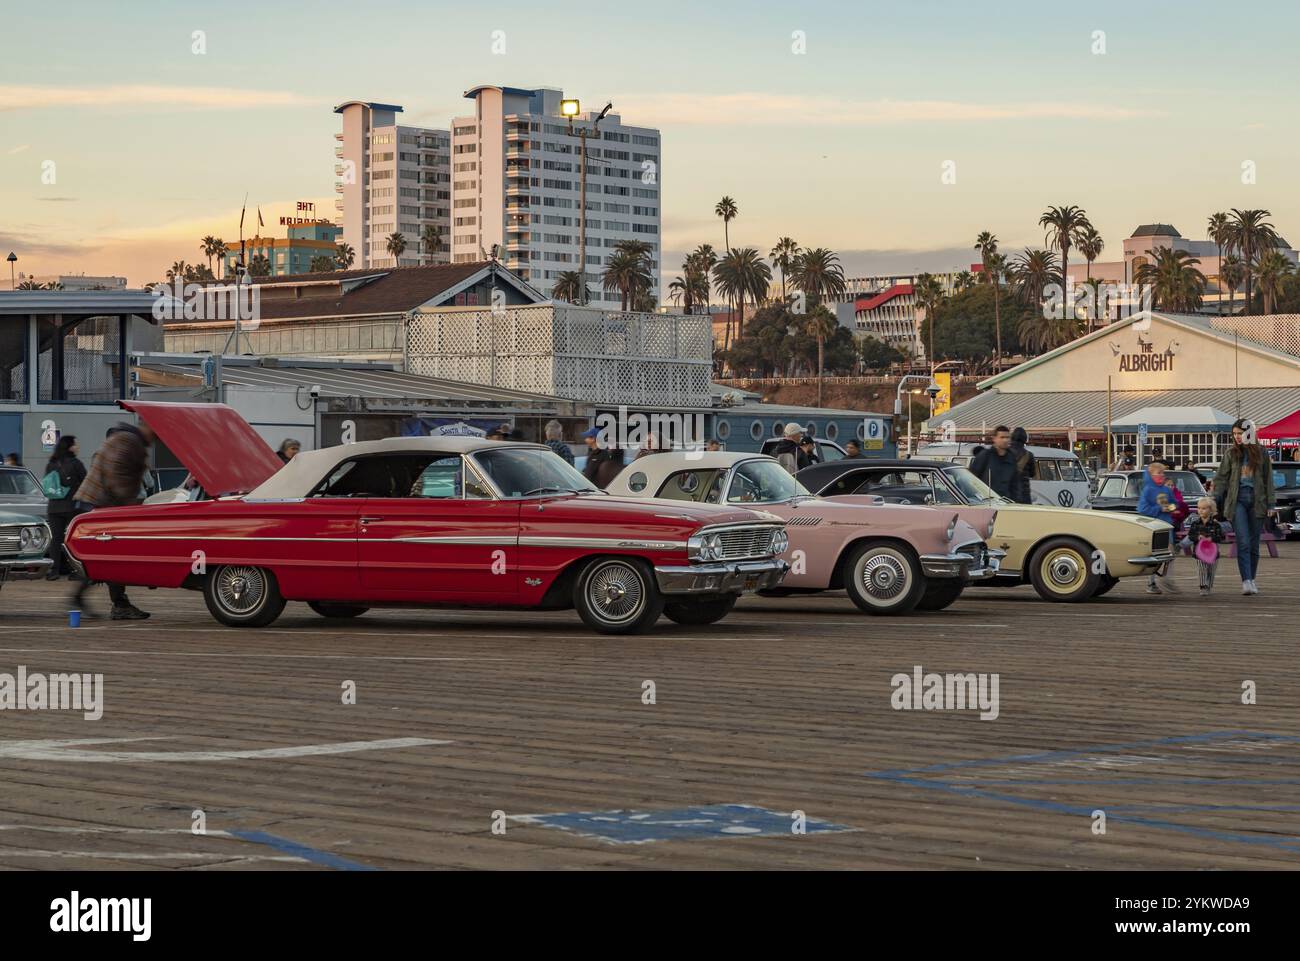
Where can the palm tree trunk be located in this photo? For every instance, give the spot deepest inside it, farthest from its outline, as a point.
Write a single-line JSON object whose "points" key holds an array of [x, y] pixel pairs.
{"points": [[1248, 259], [821, 368]]}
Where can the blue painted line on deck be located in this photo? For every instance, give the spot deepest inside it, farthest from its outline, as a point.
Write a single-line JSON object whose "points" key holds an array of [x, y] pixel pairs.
{"points": [[302, 851], [915, 777]]}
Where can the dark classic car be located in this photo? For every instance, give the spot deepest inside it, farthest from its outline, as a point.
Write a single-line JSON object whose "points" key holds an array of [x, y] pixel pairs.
{"points": [[1286, 488], [419, 521], [1120, 490]]}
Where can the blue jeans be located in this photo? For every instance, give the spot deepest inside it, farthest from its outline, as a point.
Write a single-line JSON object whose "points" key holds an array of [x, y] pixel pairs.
{"points": [[1247, 527]]}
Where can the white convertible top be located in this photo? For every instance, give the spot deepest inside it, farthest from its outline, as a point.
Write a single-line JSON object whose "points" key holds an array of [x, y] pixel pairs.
{"points": [[657, 467], [307, 469]]}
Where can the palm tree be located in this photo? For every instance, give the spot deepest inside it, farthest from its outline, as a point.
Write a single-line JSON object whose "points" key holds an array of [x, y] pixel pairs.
{"points": [[742, 273], [703, 257], [179, 269], [431, 240], [964, 280], [1217, 225], [568, 286], [783, 255], [30, 285], [396, 246], [995, 269], [1232, 273], [1065, 225], [209, 247], [818, 274], [1176, 284], [1032, 271], [1091, 245], [929, 294], [627, 273], [322, 264], [1249, 234], [727, 210], [1270, 271], [987, 245], [219, 250], [260, 266], [346, 256], [820, 324]]}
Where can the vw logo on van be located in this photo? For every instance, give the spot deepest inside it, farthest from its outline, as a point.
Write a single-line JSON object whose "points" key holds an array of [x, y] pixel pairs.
{"points": [[1065, 498]]}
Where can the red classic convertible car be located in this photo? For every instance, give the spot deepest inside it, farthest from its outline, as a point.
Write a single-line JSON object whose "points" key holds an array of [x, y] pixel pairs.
{"points": [[419, 521]]}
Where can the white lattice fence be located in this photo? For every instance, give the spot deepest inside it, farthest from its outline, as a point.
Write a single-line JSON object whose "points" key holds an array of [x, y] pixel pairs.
{"points": [[1278, 331], [664, 360]]}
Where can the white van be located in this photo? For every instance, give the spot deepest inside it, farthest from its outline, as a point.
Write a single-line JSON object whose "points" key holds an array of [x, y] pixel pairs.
{"points": [[1058, 480]]}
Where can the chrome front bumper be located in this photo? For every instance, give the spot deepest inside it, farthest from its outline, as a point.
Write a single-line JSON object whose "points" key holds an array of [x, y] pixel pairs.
{"points": [[966, 566], [24, 566], [725, 577], [1154, 559]]}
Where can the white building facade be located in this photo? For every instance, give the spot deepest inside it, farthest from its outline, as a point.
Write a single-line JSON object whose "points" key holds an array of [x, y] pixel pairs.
{"points": [[516, 186], [391, 179]]}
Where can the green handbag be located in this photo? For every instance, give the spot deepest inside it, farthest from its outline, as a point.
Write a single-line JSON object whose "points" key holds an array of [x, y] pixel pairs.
{"points": [[53, 486]]}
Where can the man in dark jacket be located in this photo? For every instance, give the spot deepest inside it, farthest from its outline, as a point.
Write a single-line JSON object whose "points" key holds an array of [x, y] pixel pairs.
{"points": [[114, 480], [603, 465], [1026, 467], [996, 465], [60, 511]]}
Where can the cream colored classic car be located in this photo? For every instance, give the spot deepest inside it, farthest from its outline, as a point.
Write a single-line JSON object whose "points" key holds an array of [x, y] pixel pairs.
{"points": [[1068, 554]]}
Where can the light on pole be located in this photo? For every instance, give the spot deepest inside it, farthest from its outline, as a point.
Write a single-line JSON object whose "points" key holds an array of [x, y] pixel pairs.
{"points": [[898, 402], [571, 109], [13, 259]]}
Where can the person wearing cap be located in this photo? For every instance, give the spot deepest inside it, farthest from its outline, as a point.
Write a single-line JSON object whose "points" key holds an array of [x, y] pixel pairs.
{"points": [[787, 450], [808, 452], [1127, 459], [603, 464]]}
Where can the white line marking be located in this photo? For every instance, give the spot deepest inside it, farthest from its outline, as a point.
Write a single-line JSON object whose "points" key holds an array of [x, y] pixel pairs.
{"points": [[64, 750], [362, 657]]}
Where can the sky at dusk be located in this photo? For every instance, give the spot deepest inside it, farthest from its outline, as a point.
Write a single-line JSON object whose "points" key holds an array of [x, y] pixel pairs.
{"points": [[842, 145]]}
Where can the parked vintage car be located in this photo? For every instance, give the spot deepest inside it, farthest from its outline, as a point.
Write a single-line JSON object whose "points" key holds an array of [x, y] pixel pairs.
{"points": [[1120, 490], [1059, 479], [20, 491], [1286, 491], [418, 522], [24, 539], [888, 559], [1052, 548]]}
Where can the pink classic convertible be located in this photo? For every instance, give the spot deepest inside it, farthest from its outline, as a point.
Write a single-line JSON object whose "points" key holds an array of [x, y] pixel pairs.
{"points": [[889, 558]]}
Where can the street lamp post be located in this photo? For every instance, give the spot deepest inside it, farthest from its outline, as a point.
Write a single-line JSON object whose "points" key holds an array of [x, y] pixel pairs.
{"points": [[570, 109], [898, 403], [13, 259]]}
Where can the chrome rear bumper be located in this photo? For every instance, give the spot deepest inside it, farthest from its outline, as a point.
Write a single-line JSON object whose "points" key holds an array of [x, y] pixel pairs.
{"points": [[969, 567], [724, 577], [1154, 559]]}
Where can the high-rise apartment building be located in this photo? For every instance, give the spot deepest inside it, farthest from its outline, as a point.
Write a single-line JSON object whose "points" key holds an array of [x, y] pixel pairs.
{"points": [[516, 186], [391, 179]]}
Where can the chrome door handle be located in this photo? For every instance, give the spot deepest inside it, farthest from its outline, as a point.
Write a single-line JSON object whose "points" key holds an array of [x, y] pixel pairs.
{"points": [[370, 520]]}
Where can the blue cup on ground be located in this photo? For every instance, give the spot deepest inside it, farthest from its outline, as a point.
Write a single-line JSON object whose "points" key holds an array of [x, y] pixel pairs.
{"points": [[74, 618]]}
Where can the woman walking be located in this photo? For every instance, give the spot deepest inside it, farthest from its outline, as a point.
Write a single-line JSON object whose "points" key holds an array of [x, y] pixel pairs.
{"points": [[63, 475], [1245, 484]]}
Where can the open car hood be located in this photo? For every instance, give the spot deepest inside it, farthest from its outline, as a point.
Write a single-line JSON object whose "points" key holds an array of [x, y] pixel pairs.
{"points": [[212, 442]]}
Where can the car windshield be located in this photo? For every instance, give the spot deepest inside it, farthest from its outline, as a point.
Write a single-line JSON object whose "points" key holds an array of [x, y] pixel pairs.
{"points": [[1071, 470], [18, 482], [972, 488], [522, 471], [762, 482]]}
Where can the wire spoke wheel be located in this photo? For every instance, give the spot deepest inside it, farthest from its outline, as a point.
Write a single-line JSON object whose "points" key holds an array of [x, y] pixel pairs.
{"points": [[241, 590], [616, 593]]}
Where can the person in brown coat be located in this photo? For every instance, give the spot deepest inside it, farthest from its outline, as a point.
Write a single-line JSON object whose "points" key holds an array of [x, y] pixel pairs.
{"points": [[603, 464], [115, 479]]}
